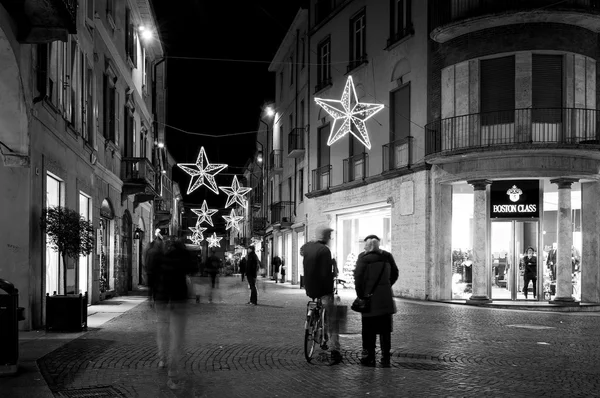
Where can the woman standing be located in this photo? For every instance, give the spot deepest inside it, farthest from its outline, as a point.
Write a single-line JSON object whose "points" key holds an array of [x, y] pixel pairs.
{"points": [[376, 271]]}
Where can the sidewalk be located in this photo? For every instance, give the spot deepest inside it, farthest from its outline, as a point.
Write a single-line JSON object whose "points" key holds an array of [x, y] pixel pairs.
{"points": [[28, 382]]}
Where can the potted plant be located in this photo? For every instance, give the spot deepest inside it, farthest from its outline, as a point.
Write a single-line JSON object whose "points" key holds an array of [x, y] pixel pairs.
{"points": [[71, 236]]}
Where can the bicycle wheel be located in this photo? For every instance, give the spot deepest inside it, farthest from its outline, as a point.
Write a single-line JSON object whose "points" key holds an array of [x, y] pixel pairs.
{"points": [[311, 335]]}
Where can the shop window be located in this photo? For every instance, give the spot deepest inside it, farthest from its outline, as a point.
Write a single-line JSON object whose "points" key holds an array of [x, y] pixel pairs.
{"points": [[462, 241], [54, 197], [85, 209]]}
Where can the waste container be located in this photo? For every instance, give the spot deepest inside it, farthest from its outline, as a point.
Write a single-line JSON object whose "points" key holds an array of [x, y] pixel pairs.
{"points": [[10, 315]]}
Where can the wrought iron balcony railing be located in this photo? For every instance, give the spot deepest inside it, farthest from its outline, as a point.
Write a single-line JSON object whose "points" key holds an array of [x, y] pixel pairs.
{"points": [[444, 12], [518, 126], [282, 212], [138, 171], [397, 154], [296, 143], [356, 167], [321, 178], [43, 21]]}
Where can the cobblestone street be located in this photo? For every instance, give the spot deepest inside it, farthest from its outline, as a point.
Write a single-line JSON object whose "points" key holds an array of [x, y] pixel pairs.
{"points": [[236, 350]]}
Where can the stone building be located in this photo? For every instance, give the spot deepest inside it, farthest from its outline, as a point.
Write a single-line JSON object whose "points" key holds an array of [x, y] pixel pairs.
{"points": [[486, 143], [81, 105]]}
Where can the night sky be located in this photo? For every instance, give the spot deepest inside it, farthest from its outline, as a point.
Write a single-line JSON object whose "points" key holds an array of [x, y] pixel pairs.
{"points": [[218, 97]]}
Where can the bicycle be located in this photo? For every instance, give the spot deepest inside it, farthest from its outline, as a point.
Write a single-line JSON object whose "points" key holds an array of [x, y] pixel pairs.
{"points": [[315, 326]]}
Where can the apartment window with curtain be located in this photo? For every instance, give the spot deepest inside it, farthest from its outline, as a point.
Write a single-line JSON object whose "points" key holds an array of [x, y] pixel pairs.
{"points": [[497, 90], [547, 88], [400, 20], [358, 40], [324, 63]]}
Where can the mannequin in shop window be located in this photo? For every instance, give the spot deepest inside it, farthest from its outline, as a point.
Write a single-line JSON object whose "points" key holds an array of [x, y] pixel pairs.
{"points": [[530, 271], [551, 261]]}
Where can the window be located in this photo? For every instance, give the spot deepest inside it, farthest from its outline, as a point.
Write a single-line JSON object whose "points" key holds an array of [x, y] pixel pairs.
{"points": [[547, 88], [301, 185], [497, 90], [129, 137], [301, 125], [110, 8], [146, 65], [110, 109], [54, 197], [324, 63], [280, 84], [42, 71], [291, 69], [90, 106], [130, 39], [323, 148], [358, 38], [279, 192], [400, 20], [290, 189], [90, 11], [85, 209], [72, 79], [400, 113], [53, 91]]}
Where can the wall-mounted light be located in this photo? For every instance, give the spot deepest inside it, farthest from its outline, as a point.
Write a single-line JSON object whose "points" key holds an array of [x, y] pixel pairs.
{"points": [[161, 144], [138, 233], [259, 157], [164, 171]]}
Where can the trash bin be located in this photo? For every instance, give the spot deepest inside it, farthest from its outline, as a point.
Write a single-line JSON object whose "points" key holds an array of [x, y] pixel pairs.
{"points": [[10, 315]]}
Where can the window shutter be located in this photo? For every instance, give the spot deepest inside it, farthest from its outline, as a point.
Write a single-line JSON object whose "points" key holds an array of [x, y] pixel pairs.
{"points": [[547, 82], [323, 149], [497, 90], [400, 113]]}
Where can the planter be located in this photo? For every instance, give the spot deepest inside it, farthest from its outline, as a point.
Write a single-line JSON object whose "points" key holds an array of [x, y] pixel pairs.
{"points": [[66, 313]]}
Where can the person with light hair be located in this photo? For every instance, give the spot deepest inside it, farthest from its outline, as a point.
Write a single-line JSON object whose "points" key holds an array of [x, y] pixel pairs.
{"points": [[319, 273], [376, 272]]}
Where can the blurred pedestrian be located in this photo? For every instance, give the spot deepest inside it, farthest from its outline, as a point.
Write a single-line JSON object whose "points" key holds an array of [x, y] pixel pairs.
{"points": [[170, 295], [152, 256], [276, 266], [319, 274], [283, 270], [243, 267], [376, 272], [252, 265], [213, 263]]}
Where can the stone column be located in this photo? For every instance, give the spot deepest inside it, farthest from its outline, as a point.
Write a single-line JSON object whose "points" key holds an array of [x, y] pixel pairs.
{"points": [[564, 285], [481, 261]]}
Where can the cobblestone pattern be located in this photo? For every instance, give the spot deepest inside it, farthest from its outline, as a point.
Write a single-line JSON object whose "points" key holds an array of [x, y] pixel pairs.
{"points": [[234, 350]]}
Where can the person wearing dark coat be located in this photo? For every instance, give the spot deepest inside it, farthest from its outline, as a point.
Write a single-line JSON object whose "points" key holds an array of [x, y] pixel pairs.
{"points": [[252, 264], [243, 267], [530, 274], [378, 321], [276, 265]]}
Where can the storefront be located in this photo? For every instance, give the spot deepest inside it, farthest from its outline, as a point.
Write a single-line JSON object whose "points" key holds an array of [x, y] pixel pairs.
{"points": [[520, 214]]}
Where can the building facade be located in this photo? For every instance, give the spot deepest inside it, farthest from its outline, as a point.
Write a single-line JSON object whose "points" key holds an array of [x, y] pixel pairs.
{"points": [[483, 147], [80, 129]]}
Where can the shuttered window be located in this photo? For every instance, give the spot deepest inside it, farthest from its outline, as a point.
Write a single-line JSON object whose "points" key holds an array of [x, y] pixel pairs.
{"points": [[400, 115], [547, 88], [323, 149], [497, 90]]}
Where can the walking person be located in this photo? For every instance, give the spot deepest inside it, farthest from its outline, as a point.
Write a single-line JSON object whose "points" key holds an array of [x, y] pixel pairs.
{"points": [[319, 273], [276, 267], [169, 271], [252, 265], [283, 268], [213, 263], [243, 267], [376, 271]]}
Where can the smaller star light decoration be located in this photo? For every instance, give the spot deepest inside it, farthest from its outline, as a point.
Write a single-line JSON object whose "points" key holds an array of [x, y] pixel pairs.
{"points": [[197, 232], [213, 241], [235, 193], [204, 214], [196, 239], [233, 220], [351, 113], [200, 171]]}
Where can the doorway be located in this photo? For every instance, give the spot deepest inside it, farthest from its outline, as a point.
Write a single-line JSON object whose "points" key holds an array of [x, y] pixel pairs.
{"points": [[510, 240]]}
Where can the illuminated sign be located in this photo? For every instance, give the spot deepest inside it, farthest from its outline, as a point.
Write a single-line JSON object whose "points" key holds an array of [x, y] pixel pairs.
{"points": [[515, 199]]}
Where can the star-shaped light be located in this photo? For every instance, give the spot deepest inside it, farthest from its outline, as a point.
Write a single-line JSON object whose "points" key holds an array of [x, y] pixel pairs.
{"points": [[213, 241], [202, 169], [204, 214], [233, 220], [351, 113], [235, 193], [197, 231], [197, 239]]}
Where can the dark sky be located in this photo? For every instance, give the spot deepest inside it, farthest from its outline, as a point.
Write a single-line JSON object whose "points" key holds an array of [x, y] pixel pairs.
{"points": [[218, 97]]}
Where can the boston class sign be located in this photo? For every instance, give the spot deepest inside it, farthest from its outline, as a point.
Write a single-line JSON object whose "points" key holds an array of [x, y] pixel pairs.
{"points": [[515, 199]]}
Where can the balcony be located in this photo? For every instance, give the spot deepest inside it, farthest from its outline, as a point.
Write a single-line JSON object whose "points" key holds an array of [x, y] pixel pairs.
{"points": [[296, 147], [321, 178], [162, 212], [453, 18], [43, 21], [397, 154], [542, 128], [138, 178], [355, 167], [276, 161], [355, 63], [259, 225], [282, 212]]}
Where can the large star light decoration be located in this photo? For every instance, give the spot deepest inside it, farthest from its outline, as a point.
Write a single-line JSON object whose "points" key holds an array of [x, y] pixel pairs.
{"points": [[204, 214], [235, 193], [233, 220], [213, 241], [201, 170], [351, 113]]}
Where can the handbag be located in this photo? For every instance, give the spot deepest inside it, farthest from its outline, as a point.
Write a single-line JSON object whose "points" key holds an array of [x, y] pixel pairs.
{"points": [[363, 304]]}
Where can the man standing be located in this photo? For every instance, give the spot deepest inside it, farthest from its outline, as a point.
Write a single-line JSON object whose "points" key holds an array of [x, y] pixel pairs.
{"points": [[319, 272], [252, 264]]}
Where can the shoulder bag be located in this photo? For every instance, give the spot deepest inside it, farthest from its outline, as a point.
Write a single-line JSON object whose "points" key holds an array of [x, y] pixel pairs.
{"points": [[363, 304]]}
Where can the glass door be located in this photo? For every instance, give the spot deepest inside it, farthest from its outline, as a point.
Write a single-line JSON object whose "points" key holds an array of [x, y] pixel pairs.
{"points": [[511, 267]]}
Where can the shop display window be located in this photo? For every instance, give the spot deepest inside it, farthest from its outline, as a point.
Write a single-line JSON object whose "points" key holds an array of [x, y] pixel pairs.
{"points": [[462, 240], [352, 230]]}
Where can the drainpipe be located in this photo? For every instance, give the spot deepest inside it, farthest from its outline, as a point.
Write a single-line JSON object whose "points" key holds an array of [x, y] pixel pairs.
{"points": [[296, 121]]}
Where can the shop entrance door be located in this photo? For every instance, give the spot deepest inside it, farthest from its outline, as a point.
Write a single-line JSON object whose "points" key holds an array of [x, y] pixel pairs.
{"points": [[510, 239]]}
